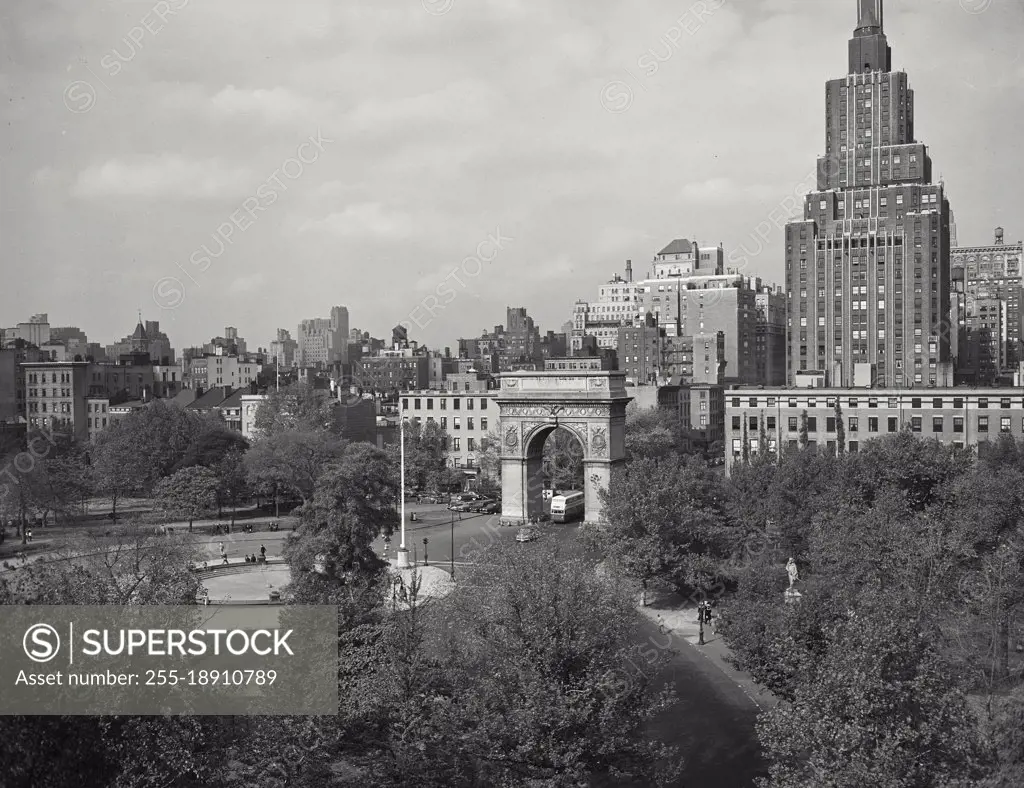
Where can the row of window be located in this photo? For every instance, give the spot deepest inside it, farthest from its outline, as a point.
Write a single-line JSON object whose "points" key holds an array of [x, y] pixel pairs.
{"points": [[40, 407], [56, 392], [892, 422], [873, 402], [443, 403], [40, 377]]}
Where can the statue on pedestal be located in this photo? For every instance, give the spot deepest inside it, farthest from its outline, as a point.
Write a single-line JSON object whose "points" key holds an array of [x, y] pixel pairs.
{"points": [[791, 569]]}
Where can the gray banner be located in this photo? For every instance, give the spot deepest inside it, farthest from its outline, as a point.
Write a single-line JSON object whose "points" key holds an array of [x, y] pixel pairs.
{"points": [[168, 660]]}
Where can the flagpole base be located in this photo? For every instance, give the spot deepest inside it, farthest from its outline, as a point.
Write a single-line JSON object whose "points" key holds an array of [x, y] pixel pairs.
{"points": [[403, 558]]}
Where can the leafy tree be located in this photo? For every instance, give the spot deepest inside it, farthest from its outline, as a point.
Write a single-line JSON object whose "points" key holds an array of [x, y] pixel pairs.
{"points": [[213, 441], [652, 432], [563, 461], [426, 454], [190, 493], [665, 520], [291, 460], [354, 502], [881, 708], [231, 478], [540, 681], [803, 436], [298, 406], [840, 429], [489, 456]]}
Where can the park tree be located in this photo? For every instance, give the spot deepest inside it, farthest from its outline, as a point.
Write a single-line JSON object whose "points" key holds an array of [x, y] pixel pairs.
{"points": [[665, 519], [426, 454], [803, 435], [190, 493], [213, 441], [880, 708], [232, 483], [291, 461], [652, 432], [299, 406], [353, 503], [563, 461], [840, 429], [547, 681]]}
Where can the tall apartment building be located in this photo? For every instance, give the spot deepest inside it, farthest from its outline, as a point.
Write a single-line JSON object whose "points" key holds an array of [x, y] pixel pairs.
{"points": [[867, 268], [324, 341], [284, 349], [55, 396], [619, 303], [992, 272], [516, 345]]}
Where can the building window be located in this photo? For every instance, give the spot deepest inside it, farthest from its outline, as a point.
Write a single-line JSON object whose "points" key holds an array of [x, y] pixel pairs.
{"points": [[830, 424], [894, 425], [456, 444], [1004, 403], [872, 424], [1004, 424], [430, 404], [483, 424], [937, 424], [915, 423], [469, 423], [983, 402], [982, 423], [483, 403], [958, 424], [792, 424], [470, 444], [737, 423], [812, 424], [854, 424], [737, 447], [444, 422]]}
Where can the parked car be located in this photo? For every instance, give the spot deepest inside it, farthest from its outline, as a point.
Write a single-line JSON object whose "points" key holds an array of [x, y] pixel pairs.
{"points": [[479, 504], [492, 507], [526, 534], [460, 506]]}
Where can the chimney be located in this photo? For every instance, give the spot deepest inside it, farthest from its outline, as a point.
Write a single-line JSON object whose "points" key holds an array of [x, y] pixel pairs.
{"points": [[629, 270]]}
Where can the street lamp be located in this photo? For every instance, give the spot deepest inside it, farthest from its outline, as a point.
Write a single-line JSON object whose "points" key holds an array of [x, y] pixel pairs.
{"points": [[403, 551], [425, 540], [701, 613]]}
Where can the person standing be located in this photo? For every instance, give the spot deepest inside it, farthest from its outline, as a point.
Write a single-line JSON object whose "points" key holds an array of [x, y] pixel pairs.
{"points": [[263, 553]]}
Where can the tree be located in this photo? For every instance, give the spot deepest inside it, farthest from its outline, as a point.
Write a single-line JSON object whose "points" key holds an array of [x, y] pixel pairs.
{"points": [[489, 456], [190, 493], [803, 435], [354, 502], [547, 680], [231, 478], [426, 455], [213, 441], [840, 429], [563, 461], [298, 406], [291, 460], [652, 432], [664, 520], [881, 708]]}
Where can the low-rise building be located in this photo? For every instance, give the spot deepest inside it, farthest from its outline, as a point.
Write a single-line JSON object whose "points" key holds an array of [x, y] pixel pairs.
{"points": [[960, 416], [55, 396], [466, 417]]}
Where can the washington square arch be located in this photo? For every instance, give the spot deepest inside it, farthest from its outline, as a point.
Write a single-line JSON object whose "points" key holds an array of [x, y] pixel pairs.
{"points": [[590, 404]]}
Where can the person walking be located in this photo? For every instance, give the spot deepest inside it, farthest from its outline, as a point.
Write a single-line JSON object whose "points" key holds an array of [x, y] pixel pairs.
{"points": [[263, 553]]}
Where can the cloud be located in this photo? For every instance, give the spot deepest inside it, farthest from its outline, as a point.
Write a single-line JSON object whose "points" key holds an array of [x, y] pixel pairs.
{"points": [[274, 105], [360, 221], [167, 175], [244, 285], [722, 191]]}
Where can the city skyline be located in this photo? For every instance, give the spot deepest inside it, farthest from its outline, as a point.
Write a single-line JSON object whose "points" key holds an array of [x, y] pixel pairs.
{"points": [[111, 192]]}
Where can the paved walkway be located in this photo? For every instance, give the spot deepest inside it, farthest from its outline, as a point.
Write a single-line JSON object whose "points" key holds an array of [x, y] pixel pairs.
{"points": [[435, 582], [670, 613]]}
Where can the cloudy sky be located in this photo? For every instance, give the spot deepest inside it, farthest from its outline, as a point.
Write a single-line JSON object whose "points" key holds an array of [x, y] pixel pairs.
{"points": [[254, 162]]}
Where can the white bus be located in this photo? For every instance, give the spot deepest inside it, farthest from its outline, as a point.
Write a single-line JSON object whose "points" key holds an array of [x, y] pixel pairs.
{"points": [[567, 507]]}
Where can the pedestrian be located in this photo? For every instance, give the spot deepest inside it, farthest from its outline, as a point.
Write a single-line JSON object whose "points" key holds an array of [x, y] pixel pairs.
{"points": [[222, 548], [263, 552], [225, 558]]}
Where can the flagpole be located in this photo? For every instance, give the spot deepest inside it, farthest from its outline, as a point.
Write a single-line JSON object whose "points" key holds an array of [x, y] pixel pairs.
{"points": [[403, 552]]}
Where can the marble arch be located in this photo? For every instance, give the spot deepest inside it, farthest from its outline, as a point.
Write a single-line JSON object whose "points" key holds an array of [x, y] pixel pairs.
{"points": [[589, 404]]}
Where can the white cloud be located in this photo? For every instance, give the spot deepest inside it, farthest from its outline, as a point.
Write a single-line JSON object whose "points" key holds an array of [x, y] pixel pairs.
{"points": [[362, 220], [244, 285], [274, 105], [167, 175]]}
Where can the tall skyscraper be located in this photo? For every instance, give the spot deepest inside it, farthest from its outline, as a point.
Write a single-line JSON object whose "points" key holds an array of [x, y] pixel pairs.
{"points": [[867, 269]]}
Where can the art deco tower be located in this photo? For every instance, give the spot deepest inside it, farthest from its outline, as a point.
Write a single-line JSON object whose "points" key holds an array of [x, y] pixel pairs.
{"points": [[867, 269]]}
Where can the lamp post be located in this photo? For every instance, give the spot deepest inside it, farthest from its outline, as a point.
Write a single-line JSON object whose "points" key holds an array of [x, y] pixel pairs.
{"points": [[453, 548], [700, 619], [403, 551], [425, 540]]}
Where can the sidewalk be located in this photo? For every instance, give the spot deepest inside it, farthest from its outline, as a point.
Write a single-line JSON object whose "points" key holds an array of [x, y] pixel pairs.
{"points": [[435, 582], [667, 611]]}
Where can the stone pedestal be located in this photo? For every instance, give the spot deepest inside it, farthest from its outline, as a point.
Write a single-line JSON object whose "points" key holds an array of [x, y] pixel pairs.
{"points": [[403, 558], [791, 595]]}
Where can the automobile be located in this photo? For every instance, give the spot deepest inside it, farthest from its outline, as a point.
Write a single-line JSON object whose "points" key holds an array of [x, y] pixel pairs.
{"points": [[493, 507], [479, 504], [526, 535], [457, 506]]}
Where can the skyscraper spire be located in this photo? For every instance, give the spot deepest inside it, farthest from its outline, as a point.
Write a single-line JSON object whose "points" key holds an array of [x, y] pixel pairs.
{"points": [[869, 15], [869, 49]]}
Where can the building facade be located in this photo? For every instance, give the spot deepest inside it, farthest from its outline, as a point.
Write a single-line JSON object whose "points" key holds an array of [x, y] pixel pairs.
{"points": [[961, 416], [55, 396], [988, 273], [322, 342], [284, 349], [466, 417], [867, 268]]}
